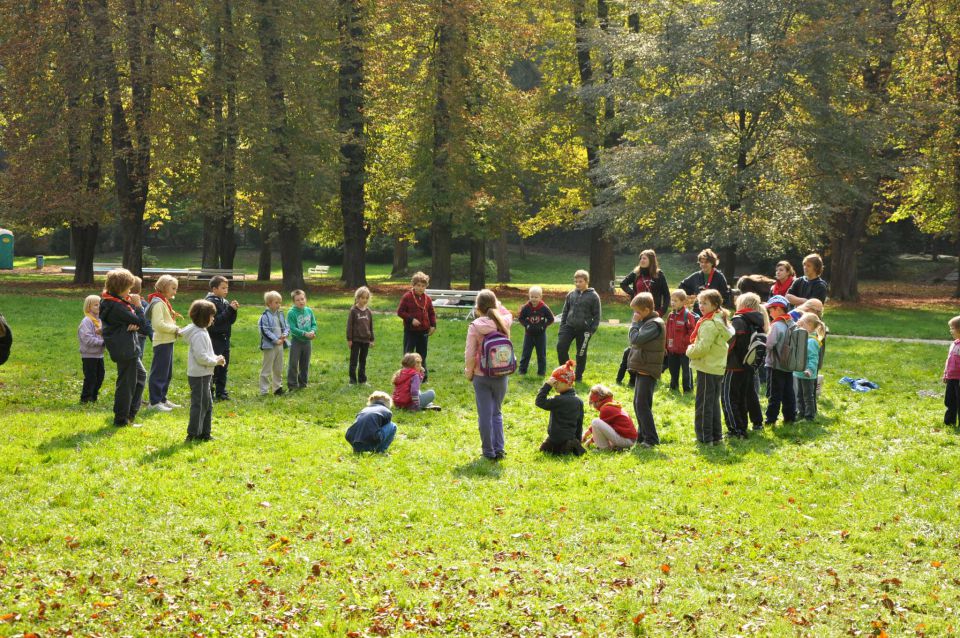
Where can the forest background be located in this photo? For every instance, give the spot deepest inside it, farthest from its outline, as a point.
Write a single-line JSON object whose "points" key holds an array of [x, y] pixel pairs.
{"points": [[329, 129]]}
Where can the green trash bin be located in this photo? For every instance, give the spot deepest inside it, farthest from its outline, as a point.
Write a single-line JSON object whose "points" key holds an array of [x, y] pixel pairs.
{"points": [[6, 249]]}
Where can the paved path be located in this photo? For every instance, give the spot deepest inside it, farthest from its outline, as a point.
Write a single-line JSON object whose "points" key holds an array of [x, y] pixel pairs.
{"points": [[934, 342]]}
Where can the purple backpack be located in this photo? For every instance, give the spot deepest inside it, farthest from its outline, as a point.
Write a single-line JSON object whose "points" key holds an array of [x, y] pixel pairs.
{"points": [[496, 355]]}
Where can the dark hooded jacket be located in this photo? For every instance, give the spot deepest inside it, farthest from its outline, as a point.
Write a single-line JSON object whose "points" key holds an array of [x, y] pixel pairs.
{"points": [[744, 326]]}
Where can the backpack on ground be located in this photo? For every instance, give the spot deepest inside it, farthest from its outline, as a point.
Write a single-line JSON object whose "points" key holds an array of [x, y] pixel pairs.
{"points": [[497, 358], [793, 349], [756, 349]]}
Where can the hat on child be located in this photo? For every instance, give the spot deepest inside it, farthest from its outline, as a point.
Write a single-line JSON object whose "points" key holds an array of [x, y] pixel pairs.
{"points": [[778, 300], [566, 373]]}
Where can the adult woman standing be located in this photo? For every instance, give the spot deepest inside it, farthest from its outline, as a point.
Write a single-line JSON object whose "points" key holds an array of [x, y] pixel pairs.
{"points": [[708, 277], [647, 277], [784, 274], [489, 391]]}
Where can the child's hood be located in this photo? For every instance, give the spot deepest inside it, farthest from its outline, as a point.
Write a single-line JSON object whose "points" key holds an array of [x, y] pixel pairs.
{"points": [[190, 331]]}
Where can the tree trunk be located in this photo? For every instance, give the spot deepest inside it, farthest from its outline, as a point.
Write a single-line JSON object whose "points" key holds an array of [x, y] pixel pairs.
{"points": [[441, 239], [956, 170], [602, 266], [264, 265], [84, 240], [401, 258], [280, 177], [478, 263], [353, 145], [503, 259], [728, 262], [849, 232], [210, 256]]}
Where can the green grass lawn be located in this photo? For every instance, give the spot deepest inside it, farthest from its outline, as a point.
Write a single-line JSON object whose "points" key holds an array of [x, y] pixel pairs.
{"points": [[845, 525]]}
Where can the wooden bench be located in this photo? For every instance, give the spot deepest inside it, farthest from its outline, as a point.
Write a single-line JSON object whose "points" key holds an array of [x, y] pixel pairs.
{"points": [[99, 268], [615, 283], [320, 270], [232, 274], [460, 300]]}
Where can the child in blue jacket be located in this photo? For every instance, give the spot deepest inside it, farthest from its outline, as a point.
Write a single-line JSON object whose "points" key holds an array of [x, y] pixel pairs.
{"points": [[807, 380], [274, 333], [374, 429]]}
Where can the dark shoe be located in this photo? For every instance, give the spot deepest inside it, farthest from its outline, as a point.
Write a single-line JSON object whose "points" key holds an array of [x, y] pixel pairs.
{"points": [[500, 456], [434, 407], [278, 392], [353, 382], [206, 438], [190, 439], [222, 397], [120, 424], [492, 459]]}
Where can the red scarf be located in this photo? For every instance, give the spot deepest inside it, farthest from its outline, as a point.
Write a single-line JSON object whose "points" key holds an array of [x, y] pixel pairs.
{"points": [[107, 296], [744, 311], [696, 329], [781, 288], [157, 295]]}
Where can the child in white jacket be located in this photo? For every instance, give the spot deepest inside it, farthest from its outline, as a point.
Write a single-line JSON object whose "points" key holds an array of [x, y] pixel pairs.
{"points": [[201, 360]]}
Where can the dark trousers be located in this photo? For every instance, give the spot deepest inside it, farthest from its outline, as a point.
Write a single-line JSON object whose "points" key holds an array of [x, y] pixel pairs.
{"points": [[643, 389], [131, 377], [414, 341], [533, 340], [566, 337], [740, 402], [706, 416], [93, 371], [161, 372], [951, 399], [677, 364], [780, 393], [358, 362], [560, 448], [622, 372], [201, 407], [221, 345], [298, 364], [807, 398]]}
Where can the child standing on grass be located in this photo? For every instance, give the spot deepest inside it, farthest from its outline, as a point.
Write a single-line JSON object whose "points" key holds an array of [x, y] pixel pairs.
{"points": [[807, 380], [303, 330], [708, 356], [419, 318], [613, 428], [373, 429], [145, 332], [951, 375], [359, 334], [579, 319], [535, 317], [647, 342], [489, 391], [163, 319], [565, 430], [274, 334], [90, 335], [739, 399], [121, 317], [220, 331], [201, 362], [780, 390], [680, 325], [406, 385]]}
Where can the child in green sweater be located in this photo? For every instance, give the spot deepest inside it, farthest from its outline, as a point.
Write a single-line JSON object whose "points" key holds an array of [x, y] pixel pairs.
{"points": [[303, 330]]}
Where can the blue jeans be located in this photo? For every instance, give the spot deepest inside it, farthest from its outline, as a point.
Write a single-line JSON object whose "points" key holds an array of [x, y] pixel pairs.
{"points": [[387, 432], [426, 398], [533, 340], [489, 393]]}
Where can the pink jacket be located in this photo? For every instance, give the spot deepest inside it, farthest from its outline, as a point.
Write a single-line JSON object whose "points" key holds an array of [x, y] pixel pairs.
{"points": [[951, 370], [480, 328]]}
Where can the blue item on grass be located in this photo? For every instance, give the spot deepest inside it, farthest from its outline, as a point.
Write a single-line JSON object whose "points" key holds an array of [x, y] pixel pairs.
{"points": [[859, 385]]}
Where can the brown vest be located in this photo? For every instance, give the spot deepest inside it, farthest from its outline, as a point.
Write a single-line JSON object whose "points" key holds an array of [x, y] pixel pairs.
{"points": [[647, 358]]}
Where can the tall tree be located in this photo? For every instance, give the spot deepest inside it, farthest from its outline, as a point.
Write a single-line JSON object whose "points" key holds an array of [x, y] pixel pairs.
{"points": [[130, 126], [353, 142], [281, 177]]}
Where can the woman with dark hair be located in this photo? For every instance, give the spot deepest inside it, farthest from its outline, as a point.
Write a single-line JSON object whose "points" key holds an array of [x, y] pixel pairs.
{"points": [[708, 277], [647, 277], [784, 274]]}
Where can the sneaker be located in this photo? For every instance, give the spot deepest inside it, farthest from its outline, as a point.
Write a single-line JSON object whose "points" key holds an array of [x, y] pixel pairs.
{"points": [[433, 406], [135, 425], [222, 397], [278, 391], [170, 404], [159, 407]]}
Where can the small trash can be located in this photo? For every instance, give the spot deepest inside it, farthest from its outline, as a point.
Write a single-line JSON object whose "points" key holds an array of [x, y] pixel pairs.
{"points": [[6, 249], [39, 262]]}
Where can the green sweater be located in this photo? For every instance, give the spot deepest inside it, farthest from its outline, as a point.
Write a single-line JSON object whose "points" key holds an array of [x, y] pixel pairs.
{"points": [[709, 352], [301, 322]]}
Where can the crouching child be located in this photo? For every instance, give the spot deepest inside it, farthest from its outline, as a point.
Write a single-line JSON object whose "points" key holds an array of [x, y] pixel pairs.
{"points": [[373, 429], [565, 431]]}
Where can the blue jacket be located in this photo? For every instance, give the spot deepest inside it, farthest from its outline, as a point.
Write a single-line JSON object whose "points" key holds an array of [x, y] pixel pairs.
{"points": [[813, 359], [273, 325], [366, 428]]}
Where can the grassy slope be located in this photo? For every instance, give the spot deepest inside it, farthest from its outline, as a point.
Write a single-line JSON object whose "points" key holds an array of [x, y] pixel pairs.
{"points": [[847, 524]]}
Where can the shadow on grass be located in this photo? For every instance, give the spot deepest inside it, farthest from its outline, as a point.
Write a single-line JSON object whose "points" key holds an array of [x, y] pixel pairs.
{"points": [[649, 455], [479, 468], [802, 431], [75, 440], [166, 452]]}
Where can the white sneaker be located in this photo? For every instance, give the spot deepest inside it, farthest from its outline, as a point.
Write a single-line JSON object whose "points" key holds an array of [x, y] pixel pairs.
{"points": [[160, 407], [170, 404]]}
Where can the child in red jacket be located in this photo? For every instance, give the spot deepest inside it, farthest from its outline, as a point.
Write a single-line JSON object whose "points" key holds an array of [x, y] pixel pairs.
{"points": [[613, 429], [419, 318], [406, 386], [680, 325]]}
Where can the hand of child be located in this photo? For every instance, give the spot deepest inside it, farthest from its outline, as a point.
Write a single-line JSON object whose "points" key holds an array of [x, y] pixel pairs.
{"points": [[807, 374], [234, 304], [636, 317], [371, 344], [551, 382], [349, 343], [468, 374], [135, 299], [431, 331], [221, 360], [311, 335], [177, 315], [99, 331], [132, 327]]}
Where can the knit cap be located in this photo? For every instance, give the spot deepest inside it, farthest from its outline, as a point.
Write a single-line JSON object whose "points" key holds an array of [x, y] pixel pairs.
{"points": [[566, 373], [778, 300]]}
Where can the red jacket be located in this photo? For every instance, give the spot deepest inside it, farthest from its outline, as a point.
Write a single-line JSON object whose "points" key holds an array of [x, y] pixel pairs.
{"points": [[403, 388], [680, 326], [417, 307], [613, 414]]}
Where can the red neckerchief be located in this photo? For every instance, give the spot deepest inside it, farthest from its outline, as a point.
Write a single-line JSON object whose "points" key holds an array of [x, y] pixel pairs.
{"points": [[106, 295], [781, 289], [743, 311], [157, 295], [784, 317], [696, 329], [537, 307]]}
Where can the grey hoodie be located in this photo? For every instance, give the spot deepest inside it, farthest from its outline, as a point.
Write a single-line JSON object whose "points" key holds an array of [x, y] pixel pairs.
{"points": [[581, 311], [201, 360]]}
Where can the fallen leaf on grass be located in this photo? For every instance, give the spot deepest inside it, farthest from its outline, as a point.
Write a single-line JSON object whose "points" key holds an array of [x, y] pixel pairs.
{"points": [[105, 603], [665, 568], [936, 563]]}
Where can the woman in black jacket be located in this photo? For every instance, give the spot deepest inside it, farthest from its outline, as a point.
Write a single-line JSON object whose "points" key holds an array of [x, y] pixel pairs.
{"points": [[708, 277], [647, 277]]}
